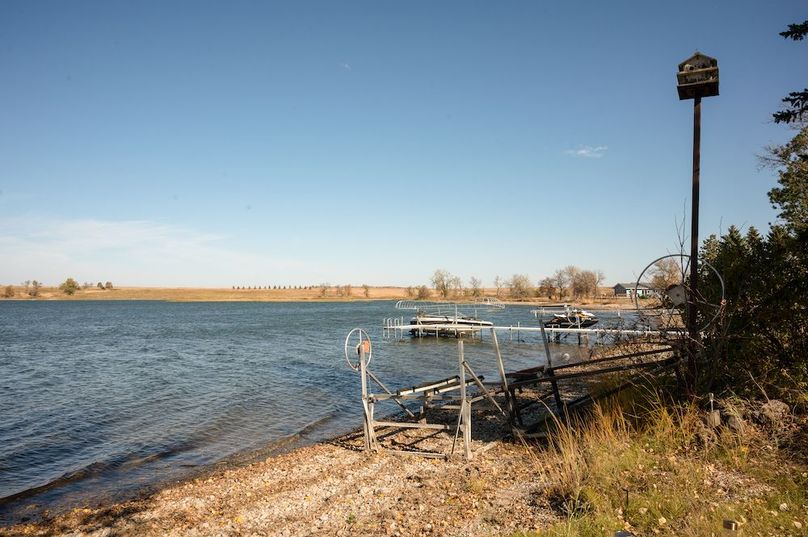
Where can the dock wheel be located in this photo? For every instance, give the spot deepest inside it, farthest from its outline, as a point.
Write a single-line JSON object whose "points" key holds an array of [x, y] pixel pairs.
{"points": [[354, 341], [666, 308]]}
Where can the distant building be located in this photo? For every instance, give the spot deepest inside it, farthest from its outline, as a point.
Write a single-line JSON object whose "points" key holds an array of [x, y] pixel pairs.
{"points": [[630, 289]]}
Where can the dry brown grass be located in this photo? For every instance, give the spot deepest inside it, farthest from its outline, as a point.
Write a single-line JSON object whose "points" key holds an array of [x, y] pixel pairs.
{"points": [[201, 294], [205, 294], [645, 467]]}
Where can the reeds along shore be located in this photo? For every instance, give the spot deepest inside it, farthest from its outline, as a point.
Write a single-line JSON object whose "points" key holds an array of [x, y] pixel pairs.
{"points": [[199, 294]]}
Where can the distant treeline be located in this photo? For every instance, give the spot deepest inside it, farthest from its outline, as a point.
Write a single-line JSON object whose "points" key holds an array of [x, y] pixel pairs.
{"points": [[325, 289], [568, 282], [70, 286]]}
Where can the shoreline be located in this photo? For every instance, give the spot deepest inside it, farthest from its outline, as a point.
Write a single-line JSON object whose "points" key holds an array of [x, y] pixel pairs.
{"points": [[330, 487], [333, 487], [39, 513], [144, 499], [192, 294], [323, 489]]}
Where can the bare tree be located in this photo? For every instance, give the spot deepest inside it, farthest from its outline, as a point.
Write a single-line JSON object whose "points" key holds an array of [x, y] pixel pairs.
{"points": [[560, 281], [8, 292], [664, 273], [324, 287], [584, 283], [599, 277], [456, 286], [520, 287], [423, 293], [476, 287], [571, 272], [498, 284], [441, 280], [547, 288], [366, 290]]}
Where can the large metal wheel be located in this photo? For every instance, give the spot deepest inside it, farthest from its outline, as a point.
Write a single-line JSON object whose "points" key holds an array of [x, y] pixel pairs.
{"points": [[354, 342], [665, 309]]}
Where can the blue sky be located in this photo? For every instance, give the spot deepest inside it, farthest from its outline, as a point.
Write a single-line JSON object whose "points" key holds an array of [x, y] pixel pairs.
{"points": [[257, 143]]}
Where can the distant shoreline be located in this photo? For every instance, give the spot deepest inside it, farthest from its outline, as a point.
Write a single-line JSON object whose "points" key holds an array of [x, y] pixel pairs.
{"points": [[357, 294]]}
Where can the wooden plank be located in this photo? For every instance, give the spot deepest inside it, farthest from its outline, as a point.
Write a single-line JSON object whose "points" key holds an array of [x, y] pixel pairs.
{"points": [[427, 454]]}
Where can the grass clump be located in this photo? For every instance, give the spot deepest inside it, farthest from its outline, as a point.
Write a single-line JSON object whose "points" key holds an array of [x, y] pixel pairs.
{"points": [[650, 465]]}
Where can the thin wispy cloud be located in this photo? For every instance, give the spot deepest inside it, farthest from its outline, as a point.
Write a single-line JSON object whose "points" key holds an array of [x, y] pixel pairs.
{"points": [[131, 252], [587, 151], [346, 66]]}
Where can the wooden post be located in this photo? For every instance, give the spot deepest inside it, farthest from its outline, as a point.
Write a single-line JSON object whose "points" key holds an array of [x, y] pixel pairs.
{"points": [[692, 321]]}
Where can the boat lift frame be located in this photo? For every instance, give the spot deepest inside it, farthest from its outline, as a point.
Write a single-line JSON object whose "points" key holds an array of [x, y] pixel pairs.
{"points": [[456, 393], [453, 312], [396, 327], [466, 388]]}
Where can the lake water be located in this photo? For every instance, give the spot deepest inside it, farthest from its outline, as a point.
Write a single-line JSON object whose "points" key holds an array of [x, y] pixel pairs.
{"points": [[100, 400]]}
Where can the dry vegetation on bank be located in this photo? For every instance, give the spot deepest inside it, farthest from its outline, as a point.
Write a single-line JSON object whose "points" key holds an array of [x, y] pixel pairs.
{"points": [[200, 294]]}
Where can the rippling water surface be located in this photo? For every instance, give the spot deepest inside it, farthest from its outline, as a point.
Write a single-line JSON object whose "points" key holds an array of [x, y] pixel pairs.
{"points": [[101, 399]]}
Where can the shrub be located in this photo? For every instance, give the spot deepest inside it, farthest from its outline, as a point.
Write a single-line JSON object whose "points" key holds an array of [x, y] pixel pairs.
{"points": [[70, 286], [33, 290]]}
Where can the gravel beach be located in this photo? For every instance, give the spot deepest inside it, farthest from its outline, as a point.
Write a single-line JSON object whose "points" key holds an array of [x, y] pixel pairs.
{"points": [[335, 488]]}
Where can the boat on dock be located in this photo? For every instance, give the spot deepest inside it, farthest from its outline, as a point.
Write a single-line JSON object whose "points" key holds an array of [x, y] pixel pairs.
{"points": [[568, 318], [445, 319], [446, 325]]}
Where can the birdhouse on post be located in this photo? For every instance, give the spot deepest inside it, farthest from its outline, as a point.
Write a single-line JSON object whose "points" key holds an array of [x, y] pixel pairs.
{"points": [[697, 77]]}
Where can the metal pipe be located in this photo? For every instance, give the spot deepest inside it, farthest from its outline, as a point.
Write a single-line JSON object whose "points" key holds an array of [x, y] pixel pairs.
{"points": [[472, 329]]}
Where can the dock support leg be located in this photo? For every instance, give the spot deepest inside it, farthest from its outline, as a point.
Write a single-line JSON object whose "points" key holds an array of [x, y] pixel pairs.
{"points": [[465, 405], [551, 374], [367, 406], [501, 366]]}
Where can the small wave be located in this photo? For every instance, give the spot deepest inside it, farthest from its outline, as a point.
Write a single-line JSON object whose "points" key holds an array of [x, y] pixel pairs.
{"points": [[282, 444], [313, 425], [99, 469]]}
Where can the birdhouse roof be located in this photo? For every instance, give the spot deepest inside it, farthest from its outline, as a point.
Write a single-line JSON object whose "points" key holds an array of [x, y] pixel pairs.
{"points": [[699, 61]]}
